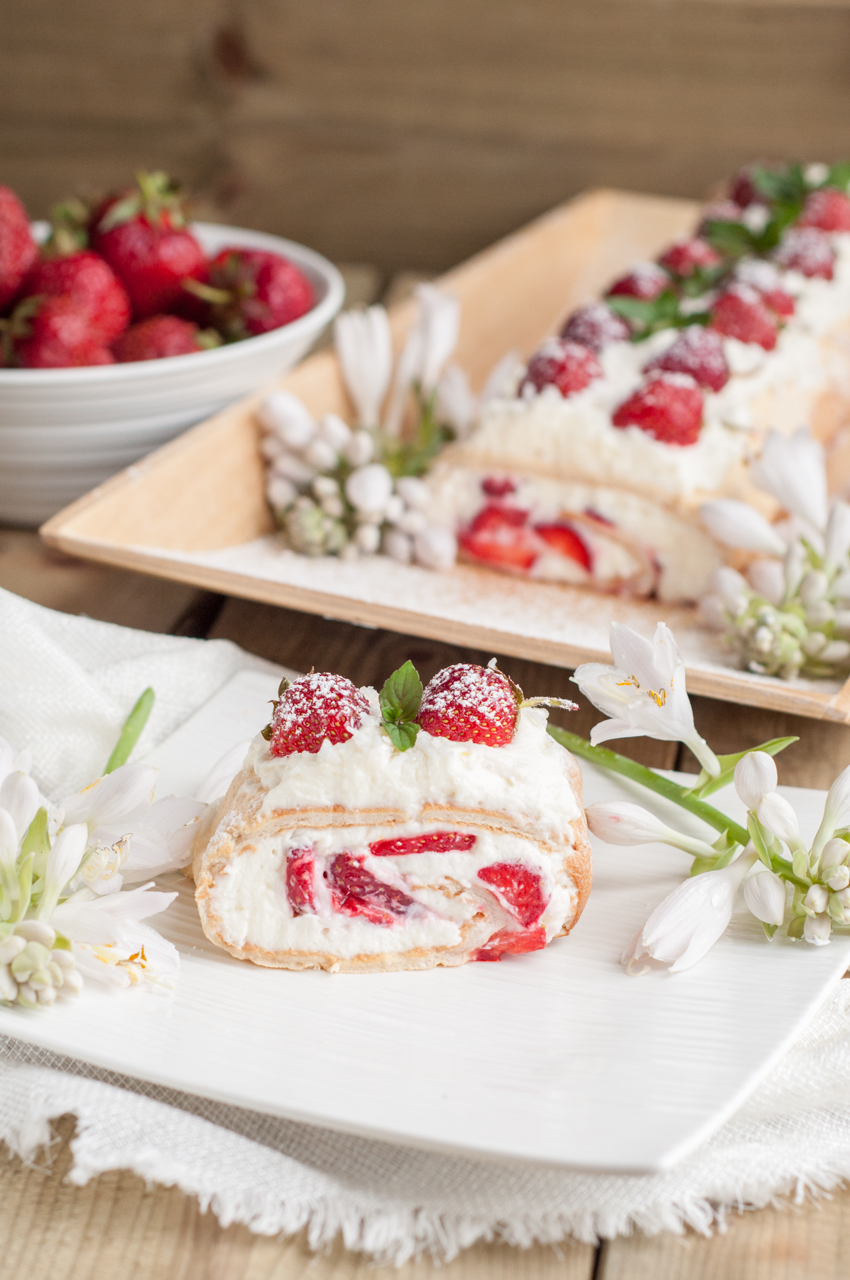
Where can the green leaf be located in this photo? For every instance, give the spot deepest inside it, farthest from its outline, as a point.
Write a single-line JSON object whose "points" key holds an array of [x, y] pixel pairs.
{"points": [[757, 837], [61, 943], [796, 927], [129, 735], [787, 186], [732, 239], [37, 840], [648, 317], [839, 175], [702, 864], [706, 784], [769, 930], [400, 700]]}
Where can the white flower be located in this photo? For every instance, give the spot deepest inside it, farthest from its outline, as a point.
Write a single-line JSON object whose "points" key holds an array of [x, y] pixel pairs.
{"points": [[644, 692], [360, 449], [288, 418], [336, 432], [689, 921], [112, 797], [775, 813], [835, 853], [429, 345], [20, 797], [12, 761], [142, 844], [764, 894], [767, 579], [817, 898], [365, 349], [9, 845], [755, 777], [737, 524], [792, 468], [369, 488], [622, 823], [503, 379], [435, 548], [837, 536], [817, 930], [733, 589], [62, 862], [836, 812], [398, 546], [110, 944], [456, 403]]}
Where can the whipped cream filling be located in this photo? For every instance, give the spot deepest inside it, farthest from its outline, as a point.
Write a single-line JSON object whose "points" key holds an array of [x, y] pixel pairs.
{"points": [[250, 897], [526, 780], [574, 437]]}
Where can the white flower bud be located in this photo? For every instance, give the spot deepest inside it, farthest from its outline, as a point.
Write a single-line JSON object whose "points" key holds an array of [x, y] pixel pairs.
{"points": [[767, 579], [837, 541], [360, 449], [813, 643], [10, 948], [764, 894], [820, 613], [73, 981], [369, 488], [435, 548], [325, 487], [755, 777], [842, 621], [394, 509], [836, 651], [20, 797], [621, 822], [336, 432], [289, 467], [290, 419], [414, 492], [47, 995], [817, 898], [817, 929], [281, 493], [843, 897], [813, 587], [836, 811], [839, 878], [36, 931], [412, 521], [270, 447], [321, 455], [398, 545], [368, 538], [733, 590], [737, 524], [841, 585], [816, 173], [775, 813], [333, 506], [835, 853]]}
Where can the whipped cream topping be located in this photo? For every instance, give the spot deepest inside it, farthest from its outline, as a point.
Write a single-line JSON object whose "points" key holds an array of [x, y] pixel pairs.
{"points": [[526, 780]]}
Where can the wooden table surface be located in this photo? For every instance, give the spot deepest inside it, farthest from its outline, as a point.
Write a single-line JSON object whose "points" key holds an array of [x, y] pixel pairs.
{"points": [[116, 1228]]}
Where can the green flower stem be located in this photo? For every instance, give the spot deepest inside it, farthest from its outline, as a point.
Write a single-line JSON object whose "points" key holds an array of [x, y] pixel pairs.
{"points": [[648, 778], [129, 736]]}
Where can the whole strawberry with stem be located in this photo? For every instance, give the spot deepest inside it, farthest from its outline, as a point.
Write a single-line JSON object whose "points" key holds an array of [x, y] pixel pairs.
{"points": [[18, 249], [468, 703], [314, 709], [51, 333], [93, 285], [252, 291], [160, 337], [143, 235]]}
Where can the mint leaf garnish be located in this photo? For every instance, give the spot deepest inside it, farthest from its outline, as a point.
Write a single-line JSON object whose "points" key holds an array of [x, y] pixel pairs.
{"points": [[732, 239], [400, 699]]}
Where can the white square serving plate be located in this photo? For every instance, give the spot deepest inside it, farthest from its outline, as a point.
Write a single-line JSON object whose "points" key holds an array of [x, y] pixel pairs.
{"points": [[557, 1056]]}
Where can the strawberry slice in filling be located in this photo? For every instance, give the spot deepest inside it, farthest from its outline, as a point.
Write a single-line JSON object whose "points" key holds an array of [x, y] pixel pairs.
{"points": [[518, 888], [430, 842], [356, 892], [512, 942], [300, 885]]}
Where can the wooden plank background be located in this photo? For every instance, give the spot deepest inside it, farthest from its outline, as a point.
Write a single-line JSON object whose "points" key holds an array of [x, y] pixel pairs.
{"points": [[413, 132]]}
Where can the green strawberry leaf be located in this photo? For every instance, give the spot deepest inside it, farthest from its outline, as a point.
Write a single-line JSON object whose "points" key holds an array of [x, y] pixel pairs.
{"points": [[839, 175], [646, 317], [400, 699], [732, 239]]}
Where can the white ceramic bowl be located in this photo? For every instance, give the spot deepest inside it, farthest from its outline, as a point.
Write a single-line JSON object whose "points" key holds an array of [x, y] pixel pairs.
{"points": [[63, 431]]}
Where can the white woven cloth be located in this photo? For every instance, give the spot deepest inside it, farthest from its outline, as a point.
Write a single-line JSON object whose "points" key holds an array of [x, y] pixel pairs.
{"points": [[65, 686]]}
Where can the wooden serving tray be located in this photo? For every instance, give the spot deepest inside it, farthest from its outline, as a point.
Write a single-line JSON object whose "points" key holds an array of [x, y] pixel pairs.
{"points": [[194, 511]]}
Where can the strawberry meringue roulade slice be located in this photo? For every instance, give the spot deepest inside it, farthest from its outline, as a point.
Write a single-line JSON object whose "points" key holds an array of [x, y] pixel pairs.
{"points": [[349, 844]]}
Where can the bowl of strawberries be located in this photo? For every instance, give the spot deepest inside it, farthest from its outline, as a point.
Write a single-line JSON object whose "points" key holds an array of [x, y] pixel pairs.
{"points": [[122, 323]]}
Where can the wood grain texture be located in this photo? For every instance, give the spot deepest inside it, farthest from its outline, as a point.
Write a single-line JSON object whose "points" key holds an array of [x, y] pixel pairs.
{"points": [[413, 134]]}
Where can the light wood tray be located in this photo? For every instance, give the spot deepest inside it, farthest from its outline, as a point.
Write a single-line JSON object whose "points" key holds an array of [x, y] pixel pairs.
{"points": [[194, 511]]}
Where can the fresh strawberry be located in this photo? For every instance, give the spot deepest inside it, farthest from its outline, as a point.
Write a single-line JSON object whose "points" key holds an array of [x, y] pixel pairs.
{"points": [[740, 313], [668, 406], [300, 881], [18, 249], [91, 282], [766, 279], [566, 365], [743, 190], [356, 892], [687, 256], [51, 333], [518, 888], [509, 942], [645, 281], [595, 326], [500, 535], [431, 842], [807, 250], [564, 539], [161, 337], [828, 209], [142, 234], [314, 709], [257, 291], [699, 352], [466, 703], [498, 486], [719, 211]]}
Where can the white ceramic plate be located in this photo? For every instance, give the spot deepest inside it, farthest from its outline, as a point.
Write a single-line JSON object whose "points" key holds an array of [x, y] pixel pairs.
{"points": [[556, 1056]]}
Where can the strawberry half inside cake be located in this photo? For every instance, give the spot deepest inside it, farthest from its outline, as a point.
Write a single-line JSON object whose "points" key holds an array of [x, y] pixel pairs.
{"points": [[356, 855]]}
